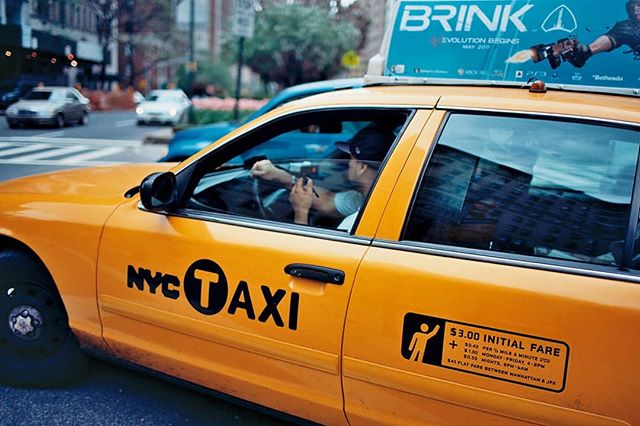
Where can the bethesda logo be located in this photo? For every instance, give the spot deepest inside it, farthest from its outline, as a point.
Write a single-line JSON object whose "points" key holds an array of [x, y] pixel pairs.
{"points": [[462, 18]]}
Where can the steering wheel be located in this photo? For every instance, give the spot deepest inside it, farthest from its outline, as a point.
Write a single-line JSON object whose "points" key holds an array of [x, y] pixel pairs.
{"points": [[257, 198], [265, 210], [273, 206]]}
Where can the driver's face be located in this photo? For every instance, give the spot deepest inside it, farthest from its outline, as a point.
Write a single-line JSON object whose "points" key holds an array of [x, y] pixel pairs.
{"points": [[352, 172], [636, 12]]}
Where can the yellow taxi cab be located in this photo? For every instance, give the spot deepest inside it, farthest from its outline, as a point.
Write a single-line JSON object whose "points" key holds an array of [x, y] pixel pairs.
{"points": [[490, 272]]}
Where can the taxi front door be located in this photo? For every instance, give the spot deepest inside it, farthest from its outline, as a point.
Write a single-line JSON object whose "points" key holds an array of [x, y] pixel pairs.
{"points": [[210, 302]]}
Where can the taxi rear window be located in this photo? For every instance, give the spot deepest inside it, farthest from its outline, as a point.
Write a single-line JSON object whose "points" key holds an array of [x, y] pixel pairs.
{"points": [[528, 186]]}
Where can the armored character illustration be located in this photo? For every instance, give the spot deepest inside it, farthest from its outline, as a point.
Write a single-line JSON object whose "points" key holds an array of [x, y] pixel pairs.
{"points": [[623, 33]]}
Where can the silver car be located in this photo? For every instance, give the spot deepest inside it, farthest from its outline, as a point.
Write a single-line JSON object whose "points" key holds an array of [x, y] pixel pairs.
{"points": [[57, 106], [163, 106]]}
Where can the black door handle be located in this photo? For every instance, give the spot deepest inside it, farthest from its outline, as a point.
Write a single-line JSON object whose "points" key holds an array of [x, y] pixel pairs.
{"points": [[316, 273]]}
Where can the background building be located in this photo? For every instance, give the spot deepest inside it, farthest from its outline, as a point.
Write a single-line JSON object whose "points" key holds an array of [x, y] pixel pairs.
{"points": [[221, 16], [151, 46], [56, 42]]}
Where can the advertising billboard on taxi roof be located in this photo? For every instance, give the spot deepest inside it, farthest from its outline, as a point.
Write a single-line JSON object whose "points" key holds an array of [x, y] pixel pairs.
{"points": [[571, 42]]}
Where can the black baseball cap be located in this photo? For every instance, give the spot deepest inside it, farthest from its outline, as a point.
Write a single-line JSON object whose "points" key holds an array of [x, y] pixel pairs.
{"points": [[369, 144]]}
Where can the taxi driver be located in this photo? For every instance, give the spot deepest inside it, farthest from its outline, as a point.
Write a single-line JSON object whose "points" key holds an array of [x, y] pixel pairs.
{"points": [[367, 148]]}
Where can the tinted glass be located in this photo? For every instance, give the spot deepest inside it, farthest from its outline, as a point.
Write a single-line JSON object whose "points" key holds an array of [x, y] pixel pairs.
{"points": [[302, 146], [165, 97], [39, 95], [528, 186]]}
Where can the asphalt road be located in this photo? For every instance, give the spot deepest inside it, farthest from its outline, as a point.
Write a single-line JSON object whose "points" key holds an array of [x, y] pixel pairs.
{"points": [[113, 395], [108, 138], [108, 125], [107, 394]]}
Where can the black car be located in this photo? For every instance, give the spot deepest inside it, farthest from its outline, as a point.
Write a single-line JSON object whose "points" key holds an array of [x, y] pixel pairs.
{"points": [[13, 95]]}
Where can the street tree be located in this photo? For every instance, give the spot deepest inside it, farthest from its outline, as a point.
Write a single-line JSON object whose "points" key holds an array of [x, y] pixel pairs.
{"points": [[296, 43], [106, 12], [344, 10], [147, 28], [135, 24], [208, 74]]}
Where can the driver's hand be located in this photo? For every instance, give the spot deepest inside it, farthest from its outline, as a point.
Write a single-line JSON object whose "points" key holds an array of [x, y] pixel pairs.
{"points": [[264, 169], [301, 198]]}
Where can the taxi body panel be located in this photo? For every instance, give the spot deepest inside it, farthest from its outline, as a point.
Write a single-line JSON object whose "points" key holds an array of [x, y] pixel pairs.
{"points": [[433, 281], [300, 338], [501, 298], [203, 295], [59, 216]]}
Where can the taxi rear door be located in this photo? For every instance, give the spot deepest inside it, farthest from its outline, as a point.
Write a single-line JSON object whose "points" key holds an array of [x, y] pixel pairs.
{"points": [[502, 298]]}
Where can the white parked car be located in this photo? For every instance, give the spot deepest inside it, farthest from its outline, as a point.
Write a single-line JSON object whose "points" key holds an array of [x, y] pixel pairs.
{"points": [[163, 106]]}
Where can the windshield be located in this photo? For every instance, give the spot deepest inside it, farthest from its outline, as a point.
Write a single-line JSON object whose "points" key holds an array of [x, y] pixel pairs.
{"points": [[164, 97], [40, 95]]}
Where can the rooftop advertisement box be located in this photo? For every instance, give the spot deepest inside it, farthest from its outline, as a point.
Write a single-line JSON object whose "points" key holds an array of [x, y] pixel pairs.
{"points": [[580, 43]]}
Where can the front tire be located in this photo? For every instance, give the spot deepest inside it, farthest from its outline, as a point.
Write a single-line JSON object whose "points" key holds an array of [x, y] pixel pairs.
{"points": [[84, 119], [37, 347], [60, 122]]}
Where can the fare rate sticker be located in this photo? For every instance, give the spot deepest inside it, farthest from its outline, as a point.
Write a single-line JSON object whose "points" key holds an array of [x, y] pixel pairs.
{"points": [[514, 357]]}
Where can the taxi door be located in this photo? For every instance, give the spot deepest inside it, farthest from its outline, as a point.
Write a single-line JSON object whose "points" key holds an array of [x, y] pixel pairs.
{"points": [[474, 323], [211, 303], [219, 301]]}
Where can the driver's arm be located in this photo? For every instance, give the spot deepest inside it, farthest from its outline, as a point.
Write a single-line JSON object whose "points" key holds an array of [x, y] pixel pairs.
{"points": [[264, 169]]}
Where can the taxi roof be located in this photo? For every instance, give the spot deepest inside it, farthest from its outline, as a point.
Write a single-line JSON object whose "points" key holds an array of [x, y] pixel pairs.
{"points": [[575, 104]]}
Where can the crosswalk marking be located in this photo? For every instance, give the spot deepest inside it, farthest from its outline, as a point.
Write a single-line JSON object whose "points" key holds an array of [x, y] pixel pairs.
{"points": [[23, 149], [66, 153], [104, 152], [57, 163], [70, 141], [55, 152]]}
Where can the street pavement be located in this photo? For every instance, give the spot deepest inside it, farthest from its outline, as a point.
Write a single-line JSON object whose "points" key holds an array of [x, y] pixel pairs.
{"points": [[107, 395], [108, 138]]}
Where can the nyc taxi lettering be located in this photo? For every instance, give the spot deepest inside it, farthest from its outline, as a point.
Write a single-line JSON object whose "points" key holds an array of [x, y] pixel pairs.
{"points": [[207, 290]]}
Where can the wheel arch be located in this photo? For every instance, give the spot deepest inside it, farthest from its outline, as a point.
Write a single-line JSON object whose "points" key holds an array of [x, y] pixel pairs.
{"points": [[53, 356], [9, 243]]}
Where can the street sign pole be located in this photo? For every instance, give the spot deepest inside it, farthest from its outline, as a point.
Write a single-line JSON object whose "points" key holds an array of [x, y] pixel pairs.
{"points": [[243, 26]]}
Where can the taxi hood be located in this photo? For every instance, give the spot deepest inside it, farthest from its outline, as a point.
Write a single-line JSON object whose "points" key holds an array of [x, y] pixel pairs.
{"points": [[106, 184]]}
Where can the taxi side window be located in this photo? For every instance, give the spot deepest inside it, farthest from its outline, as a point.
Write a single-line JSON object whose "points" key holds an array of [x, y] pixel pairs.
{"points": [[528, 186], [253, 178]]}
